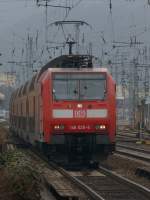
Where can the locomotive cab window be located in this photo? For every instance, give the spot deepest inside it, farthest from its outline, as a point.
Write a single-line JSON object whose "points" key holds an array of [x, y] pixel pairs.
{"points": [[73, 86]]}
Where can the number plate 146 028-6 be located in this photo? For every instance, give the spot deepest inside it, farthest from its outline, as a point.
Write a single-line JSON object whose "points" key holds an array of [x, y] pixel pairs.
{"points": [[80, 127]]}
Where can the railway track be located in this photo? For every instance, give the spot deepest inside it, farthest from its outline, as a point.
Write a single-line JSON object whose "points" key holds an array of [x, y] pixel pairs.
{"points": [[102, 184], [134, 152], [132, 135], [109, 186], [106, 185], [126, 135]]}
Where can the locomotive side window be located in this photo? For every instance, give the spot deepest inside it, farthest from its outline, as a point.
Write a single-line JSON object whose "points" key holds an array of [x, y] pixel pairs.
{"points": [[71, 86]]}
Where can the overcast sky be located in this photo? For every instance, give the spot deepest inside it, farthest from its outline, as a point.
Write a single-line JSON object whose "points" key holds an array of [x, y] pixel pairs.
{"points": [[18, 18]]}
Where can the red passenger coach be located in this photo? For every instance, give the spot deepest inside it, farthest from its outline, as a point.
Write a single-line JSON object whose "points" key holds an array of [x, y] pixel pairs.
{"points": [[68, 110]]}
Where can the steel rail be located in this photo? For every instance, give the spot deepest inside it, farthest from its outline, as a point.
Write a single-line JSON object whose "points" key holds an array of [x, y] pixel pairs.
{"points": [[133, 148], [90, 192], [93, 194], [133, 154], [135, 186], [87, 189], [78, 183]]}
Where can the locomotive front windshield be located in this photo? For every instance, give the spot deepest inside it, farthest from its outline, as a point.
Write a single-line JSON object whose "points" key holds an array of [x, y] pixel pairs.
{"points": [[70, 86]]}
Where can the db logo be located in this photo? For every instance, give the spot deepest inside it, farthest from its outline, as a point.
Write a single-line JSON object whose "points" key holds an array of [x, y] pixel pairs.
{"points": [[79, 113]]}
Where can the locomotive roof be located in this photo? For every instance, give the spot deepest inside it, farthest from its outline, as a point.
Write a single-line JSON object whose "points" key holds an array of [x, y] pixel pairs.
{"points": [[69, 61], [65, 63], [73, 61]]}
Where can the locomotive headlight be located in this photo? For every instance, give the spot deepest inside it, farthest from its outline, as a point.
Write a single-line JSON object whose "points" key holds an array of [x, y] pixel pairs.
{"points": [[56, 127], [59, 127], [100, 127], [79, 105]]}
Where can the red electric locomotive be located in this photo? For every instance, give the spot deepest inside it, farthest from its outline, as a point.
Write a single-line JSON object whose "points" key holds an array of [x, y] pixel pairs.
{"points": [[68, 110]]}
